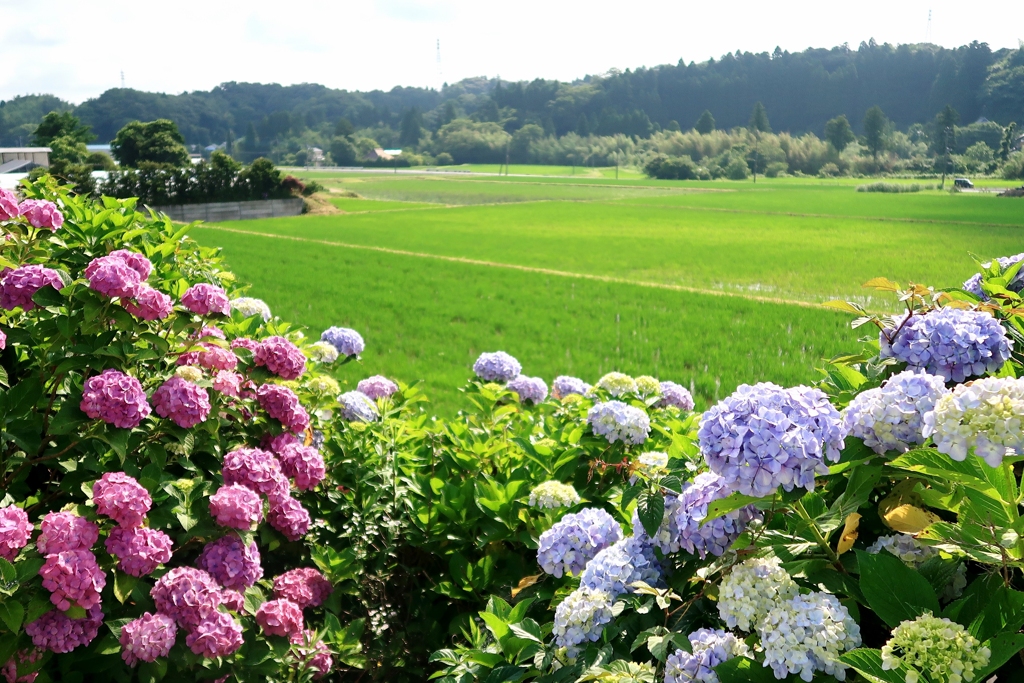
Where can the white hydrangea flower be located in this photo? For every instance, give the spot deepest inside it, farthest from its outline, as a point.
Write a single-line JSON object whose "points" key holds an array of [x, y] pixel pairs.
{"points": [[248, 307], [617, 384], [752, 589], [939, 648], [581, 617], [652, 464], [806, 634], [549, 495], [987, 415], [189, 373], [323, 384], [647, 386], [322, 352]]}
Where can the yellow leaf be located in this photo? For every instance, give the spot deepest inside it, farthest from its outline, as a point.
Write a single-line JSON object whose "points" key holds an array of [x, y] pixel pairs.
{"points": [[850, 534], [882, 283], [526, 583], [909, 519], [844, 306]]}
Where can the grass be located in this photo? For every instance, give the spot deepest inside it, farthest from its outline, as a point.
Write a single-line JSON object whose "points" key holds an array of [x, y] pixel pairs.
{"points": [[435, 269]]}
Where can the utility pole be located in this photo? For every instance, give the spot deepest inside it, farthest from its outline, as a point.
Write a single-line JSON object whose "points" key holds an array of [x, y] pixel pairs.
{"points": [[616, 165], [506, 157]]}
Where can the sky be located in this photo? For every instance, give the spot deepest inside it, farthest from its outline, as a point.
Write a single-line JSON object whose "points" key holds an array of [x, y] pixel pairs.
{"points": [[77, 50]]}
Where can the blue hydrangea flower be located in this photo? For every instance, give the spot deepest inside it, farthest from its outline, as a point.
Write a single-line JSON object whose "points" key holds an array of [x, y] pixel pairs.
{"points": [[616, 421], [613, 569], [530, 389], [666, 538], [699, 535], [567, 546], [708, 649], [567, 386], [673, 394], [806, 634], [497, 367], [581, 617], [891, 417], [763, 437], [950, 342], [348, 342], [973, 284], [358, 407]]}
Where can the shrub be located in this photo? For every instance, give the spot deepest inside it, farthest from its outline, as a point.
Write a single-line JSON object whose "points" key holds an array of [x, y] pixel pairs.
{"points": [[737, 169], [312, 187], [671, 168], [1013, 169], [444, 159], [889, 187], [829, 170]]}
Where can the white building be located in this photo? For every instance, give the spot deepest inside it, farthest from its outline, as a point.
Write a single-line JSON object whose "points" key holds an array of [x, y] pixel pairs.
{"points": [[23, 159]]}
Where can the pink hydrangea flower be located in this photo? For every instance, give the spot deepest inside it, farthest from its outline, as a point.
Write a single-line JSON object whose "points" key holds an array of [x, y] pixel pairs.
{"points": [[8, 205], [140, 550], [280, 617], [277, 443], [181, 401], [147, 638], [211, 331], [236, 507], [42, 214], [213, 357], [73, 578], [218, 635], [233, 600], [282, 404], [377, 387], [308, 646], [23, 658], [188, 358], [56, 632], [15, 531], [20, 284], [289, 517], [111, 276], [137, 262], [149, 304], [203, 299], [303, 464], [231, 562], [62, 531], [281, 357], [245, 343], [115, 398], [3, 340], [186, 595], [228, 383], [121, 498], [255, 469], [305, 586]]}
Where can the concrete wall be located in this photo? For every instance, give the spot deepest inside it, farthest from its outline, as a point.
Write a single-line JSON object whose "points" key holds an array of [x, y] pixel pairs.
{"points": [[216, 212]]}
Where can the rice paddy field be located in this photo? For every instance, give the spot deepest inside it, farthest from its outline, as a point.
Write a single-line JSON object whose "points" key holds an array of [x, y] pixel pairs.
{"points": [[709, 284]]}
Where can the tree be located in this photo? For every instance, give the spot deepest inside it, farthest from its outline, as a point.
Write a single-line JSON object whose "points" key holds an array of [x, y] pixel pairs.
{"points": [[583, 126], [839, 133], [262, 178], [344, 128], [411, 128], [67, 149], [448, 114], [343, 152], [61, 125], [759, 119], [945, 126], [1006, 145], [874, 130], [706, 123], [157, 142]]}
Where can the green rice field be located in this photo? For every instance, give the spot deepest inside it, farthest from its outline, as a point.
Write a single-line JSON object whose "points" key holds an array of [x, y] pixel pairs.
{"points": [[707, 284]]}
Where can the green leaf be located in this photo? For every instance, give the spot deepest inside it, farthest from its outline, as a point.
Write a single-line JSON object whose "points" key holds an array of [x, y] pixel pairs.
{"points": [[893, 590], [743, 670], [495, 624], [728, 504], [12, 613], [504, 673], [8, 574], [868, 663], [651, 510], [1003, 647], [124, 584], [1003, 612]]}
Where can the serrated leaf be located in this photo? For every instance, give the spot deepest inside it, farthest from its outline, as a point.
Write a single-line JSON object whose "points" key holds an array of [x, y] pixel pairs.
{"points": [[882, 284], [868, 663], [8, 574], [12, 613], [651, 511], [893, 590], [844, 306]]}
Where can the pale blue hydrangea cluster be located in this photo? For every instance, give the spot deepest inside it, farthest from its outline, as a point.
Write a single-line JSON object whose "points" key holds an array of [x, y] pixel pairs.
{"points": [[530, 389], [697, 534], [973, 285], [616, 568], [550, 495], [666, 538], [987, 416], [806, 634], [676, 395], [939, 648], [347, 342], [574, 540], [580, 618], [358, 407], [763, 437], [567, 386], [751, 590], [891, 417], [497, 367], [617, 384], [950, 342], [248, 307], [708, 649], [322, 352], [647, 386], [652, 465], [617, 421], [914, 554]]}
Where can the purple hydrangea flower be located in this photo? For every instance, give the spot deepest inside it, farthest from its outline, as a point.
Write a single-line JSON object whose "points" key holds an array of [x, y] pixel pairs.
{"points": [[377, 387], [186, 404], [306, 587], [111, 276], [203, 299], [280, 617], [891, 417], [218, 635], [497, 367], [15, 531], [149, 304], [236, 507], [617, 421], [617, 567], [186, 595], [676, 395], [302, 464], [56, 632], [698, 534], [18, 286], [281, 357], [121, 498], [233, 600], [115, 398], [950, 342], [666, 538], [530, 389], [42, 214], [147, 638], [708, 649], [61, 531], [8, 205], [254, 469], [231, 562], [282, 404], [567, 386], [973, 284], [140, 550], [73, 578], [348, 342], [289, 517], [22, 658], [763, 436], [358, 407], [573, 541]]}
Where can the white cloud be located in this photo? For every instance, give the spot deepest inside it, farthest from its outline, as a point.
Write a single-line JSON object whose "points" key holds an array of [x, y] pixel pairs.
{"points": [[77, 50]]}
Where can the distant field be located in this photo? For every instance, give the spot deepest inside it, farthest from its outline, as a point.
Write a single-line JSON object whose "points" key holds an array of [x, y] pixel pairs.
{"points": [[397, 267]]}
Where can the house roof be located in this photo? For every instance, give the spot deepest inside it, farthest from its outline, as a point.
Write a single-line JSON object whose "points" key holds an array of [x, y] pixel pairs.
{"points": [[24, 150]]}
